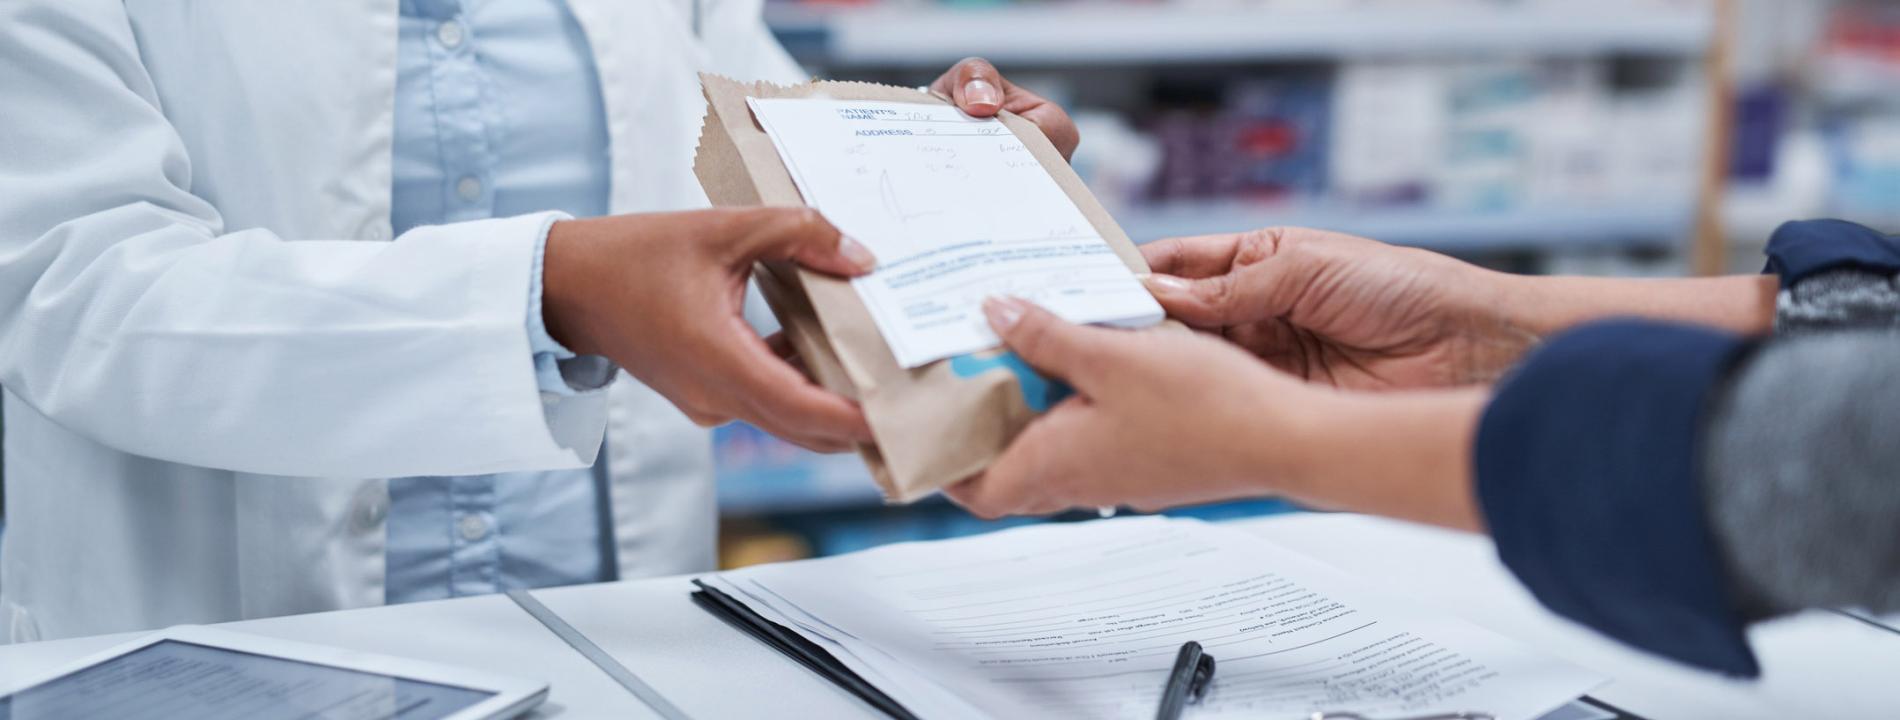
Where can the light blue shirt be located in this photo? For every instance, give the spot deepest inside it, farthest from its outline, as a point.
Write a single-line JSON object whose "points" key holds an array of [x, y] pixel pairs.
{"points": [[499, 113]]}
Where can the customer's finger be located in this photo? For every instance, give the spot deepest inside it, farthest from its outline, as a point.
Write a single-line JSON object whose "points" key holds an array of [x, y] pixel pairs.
{"points": [[1248, 294], [1028, 478], [985, 498], [1277, 343], [1076, 353], [1192, 257]]}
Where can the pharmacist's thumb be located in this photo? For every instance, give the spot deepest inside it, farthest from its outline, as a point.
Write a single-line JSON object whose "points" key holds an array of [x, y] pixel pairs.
{"points": [[804, 236], [1048, 343]]}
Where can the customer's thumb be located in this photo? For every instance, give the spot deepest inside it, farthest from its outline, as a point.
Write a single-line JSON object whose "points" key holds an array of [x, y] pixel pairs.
{"points": [[1050, 344]]}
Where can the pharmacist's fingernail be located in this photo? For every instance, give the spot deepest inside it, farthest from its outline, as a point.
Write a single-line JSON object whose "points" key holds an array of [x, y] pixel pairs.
{"points": [[857, 253], [1003, 313], [1161, 283], [981, 92]]}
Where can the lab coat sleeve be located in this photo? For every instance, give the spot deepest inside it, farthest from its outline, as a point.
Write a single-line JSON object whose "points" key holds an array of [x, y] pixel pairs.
{"points": [[129, 315]]}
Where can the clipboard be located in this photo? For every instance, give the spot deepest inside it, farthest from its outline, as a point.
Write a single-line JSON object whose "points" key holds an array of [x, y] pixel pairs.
{"points": [[796, 647], [827, 666]]}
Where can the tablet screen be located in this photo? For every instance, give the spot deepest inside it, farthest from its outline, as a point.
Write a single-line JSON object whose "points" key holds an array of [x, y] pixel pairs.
{"points": [[173, 679]]}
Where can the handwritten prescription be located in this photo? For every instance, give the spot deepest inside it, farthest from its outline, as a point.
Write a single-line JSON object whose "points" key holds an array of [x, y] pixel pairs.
{"points": [[956, 209]]}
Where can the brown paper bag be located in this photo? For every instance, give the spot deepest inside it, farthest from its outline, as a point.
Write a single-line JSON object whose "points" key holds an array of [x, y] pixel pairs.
{"points": [[935, 424]]}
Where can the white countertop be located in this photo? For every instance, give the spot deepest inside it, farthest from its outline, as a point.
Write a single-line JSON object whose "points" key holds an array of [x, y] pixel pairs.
{"points": [[486, 633], [1814, 665]]}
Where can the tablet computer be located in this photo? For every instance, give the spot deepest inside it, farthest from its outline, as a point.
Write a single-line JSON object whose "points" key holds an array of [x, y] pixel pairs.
{"points": [[207, 674]]}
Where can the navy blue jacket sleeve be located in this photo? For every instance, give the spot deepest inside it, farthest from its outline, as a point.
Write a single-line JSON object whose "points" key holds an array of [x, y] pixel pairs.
{"points": [[1587, 477], [1798, 250], [1588, 474]]}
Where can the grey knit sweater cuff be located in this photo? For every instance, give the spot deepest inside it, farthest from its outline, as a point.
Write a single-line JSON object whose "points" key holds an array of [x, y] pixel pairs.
{"points": [[1845, 299], [1802, 452]]}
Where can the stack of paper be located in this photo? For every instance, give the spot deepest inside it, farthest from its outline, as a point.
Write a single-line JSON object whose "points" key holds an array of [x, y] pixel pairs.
{"points": [[1084, 620], [956, 210]]}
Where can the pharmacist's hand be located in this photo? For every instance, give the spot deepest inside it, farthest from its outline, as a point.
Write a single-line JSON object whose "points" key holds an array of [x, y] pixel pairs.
{"points": [[1342, 310], [977, 88], [1160, 418], [661, 295]]}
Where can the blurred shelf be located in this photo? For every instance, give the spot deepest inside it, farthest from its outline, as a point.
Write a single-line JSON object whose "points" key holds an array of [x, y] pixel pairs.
{"points": [[776, 536], [1615, 226], [1848, 79], [1116, 33], [1752, 211], [761, 475]]}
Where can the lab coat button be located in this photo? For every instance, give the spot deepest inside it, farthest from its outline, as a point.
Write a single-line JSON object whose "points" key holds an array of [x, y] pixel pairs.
{"points": [[449, 34], [472, 527], [372, 507], [469, 188]]}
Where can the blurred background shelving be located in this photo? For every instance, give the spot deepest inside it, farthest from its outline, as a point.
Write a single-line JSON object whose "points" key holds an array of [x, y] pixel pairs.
{"points": [[931, 35], [1462, 126], [1632, 137]]}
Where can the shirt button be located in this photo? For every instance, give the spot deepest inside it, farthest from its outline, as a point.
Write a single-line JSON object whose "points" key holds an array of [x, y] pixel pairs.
{"points": [[450, 34], [472, 527], [469, 188], [372, 507]]}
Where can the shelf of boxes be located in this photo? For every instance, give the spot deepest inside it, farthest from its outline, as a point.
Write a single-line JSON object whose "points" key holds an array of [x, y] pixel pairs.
{"points": [[1115, 33], [1369, 44], [1628, 225]]}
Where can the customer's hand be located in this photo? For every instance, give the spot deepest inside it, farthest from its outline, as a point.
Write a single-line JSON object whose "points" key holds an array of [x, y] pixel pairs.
{"points": [[662, 294], [1160, 418], [1342, 310], [1165, 418], [977, 88]]}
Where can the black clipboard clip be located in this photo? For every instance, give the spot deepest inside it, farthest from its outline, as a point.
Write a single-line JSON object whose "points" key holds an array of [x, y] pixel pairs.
{"points": [[805, 652]]}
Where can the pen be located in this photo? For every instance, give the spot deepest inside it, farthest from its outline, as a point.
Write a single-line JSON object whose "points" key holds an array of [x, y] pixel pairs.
{"points": [[1187, 682]]}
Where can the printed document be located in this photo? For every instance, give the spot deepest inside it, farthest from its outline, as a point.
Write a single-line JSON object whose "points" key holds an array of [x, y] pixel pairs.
{"points": [[956, 210], [1084, 621]]}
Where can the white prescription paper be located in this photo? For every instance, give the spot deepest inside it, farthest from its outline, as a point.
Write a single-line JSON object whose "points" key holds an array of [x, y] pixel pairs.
{"points": [[1084, 620], [956, 210]]}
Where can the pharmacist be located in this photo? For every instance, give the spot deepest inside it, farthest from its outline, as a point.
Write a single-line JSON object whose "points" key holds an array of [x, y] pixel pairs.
{"points": [[255, 257]]}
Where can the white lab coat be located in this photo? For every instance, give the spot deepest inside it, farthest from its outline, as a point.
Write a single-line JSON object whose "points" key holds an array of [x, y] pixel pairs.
{"points": [[210, 347]]}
